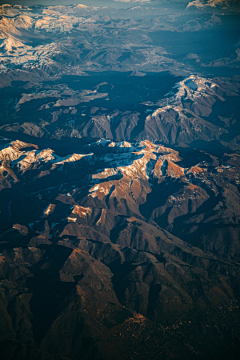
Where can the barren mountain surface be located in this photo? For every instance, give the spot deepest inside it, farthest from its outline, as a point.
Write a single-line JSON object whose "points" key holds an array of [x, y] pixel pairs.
{"points": [[120, 180]]}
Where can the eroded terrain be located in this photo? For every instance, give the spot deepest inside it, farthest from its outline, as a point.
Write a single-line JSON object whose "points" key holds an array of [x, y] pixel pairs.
{"points": [[120, 180]]}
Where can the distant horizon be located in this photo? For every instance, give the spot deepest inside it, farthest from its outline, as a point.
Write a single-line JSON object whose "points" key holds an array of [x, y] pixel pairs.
{"points": [[55, 2], [62, 2], [119, 179]]}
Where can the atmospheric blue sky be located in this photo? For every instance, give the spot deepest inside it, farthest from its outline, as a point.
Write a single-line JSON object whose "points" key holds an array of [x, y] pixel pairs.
{"points": [[60, 2]]}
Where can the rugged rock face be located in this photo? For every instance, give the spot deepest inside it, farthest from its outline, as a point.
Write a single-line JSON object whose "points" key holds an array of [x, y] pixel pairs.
{"points": [[132, 250], [184, 115], [119, 181], [63, 75]]}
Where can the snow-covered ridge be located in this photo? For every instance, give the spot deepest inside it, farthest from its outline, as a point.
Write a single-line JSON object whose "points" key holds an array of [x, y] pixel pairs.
{"points": [[122, 170], [14, 153], [193, 89], [195, 86], [141, 161]]}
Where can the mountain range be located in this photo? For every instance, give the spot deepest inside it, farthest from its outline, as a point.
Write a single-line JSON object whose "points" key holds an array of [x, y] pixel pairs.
{"points": [[127, 241], [120, 180]]}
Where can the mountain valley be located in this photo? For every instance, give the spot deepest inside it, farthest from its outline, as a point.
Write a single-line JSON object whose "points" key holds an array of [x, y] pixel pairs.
{"points": [[119, 180]]}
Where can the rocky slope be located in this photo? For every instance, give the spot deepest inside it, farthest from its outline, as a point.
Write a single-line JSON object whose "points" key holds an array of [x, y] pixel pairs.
{"points": [[120, 181], [193, 109], [93, 249]]}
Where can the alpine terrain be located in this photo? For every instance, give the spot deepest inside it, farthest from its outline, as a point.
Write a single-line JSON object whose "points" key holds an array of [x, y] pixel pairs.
{"points": [[120, 180]]}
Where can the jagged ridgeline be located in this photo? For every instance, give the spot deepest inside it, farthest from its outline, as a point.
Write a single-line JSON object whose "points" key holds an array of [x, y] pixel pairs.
{"points": [[120, 180], [126, 240], [170, 112]]}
